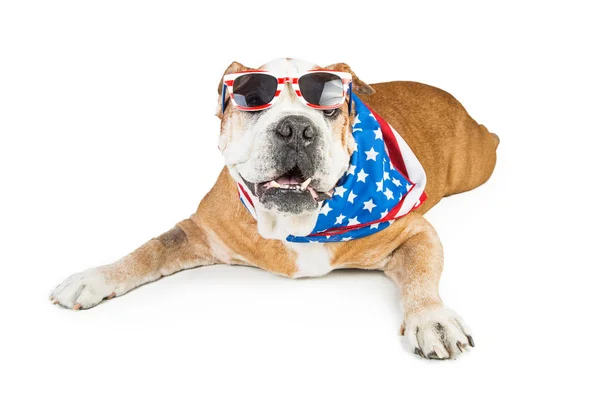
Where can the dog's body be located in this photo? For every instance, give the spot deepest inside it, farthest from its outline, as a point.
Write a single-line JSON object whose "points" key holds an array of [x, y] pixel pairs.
{"points": [[457, 154]]}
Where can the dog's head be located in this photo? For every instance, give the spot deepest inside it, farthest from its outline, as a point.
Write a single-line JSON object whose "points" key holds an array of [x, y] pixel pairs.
{"points": [[288, 156]]}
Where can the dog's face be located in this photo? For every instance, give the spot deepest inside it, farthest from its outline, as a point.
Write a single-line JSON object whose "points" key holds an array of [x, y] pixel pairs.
{"points": [[288, 156]]}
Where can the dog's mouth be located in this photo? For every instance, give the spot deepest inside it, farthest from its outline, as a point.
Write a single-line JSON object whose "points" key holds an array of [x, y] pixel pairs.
{"points": [[290, 192]]}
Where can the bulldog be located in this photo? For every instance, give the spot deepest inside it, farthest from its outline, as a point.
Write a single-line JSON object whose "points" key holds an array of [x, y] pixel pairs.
{"points": [[288, 141]]}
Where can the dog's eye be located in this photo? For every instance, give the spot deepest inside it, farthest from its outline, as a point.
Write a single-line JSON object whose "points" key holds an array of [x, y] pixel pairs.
{"points": [[331, 113]]}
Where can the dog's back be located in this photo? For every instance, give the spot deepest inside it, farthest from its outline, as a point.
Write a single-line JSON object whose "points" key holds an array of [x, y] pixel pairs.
{"points": [[458, 154]]}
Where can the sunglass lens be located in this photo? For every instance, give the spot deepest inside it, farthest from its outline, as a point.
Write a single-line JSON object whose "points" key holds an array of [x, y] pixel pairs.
{"points": [[254, 90], [322, 89]]}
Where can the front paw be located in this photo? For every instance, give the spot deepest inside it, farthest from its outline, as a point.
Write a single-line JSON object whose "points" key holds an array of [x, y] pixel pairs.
{"points": [[437, 334], [83, 290]]}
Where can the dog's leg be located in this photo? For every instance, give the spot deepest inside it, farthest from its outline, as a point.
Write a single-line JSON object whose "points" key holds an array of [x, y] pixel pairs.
{"points": [[416, 265], [184, 246]]}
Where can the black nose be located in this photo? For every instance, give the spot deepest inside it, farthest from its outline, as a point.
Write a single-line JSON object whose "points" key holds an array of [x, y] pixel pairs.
{"points": [[296, 128]]}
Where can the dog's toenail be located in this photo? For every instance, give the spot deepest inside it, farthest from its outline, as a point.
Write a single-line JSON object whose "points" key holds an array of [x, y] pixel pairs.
{"points": [[471, 341]]}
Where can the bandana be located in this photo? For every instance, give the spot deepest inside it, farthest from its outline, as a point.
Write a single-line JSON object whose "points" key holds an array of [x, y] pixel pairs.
{"points": [[384, 182]]}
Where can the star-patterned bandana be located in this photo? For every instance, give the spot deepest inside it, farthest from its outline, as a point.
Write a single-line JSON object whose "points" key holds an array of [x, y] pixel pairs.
{"points": [[384, 182]]}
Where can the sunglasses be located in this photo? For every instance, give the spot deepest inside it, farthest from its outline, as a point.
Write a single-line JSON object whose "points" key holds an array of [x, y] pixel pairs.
{"points": [[257, 90]]}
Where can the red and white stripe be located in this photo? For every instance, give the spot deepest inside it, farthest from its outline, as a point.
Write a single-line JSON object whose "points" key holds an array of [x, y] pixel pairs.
{"points": [[246, 199], [405, 162]]}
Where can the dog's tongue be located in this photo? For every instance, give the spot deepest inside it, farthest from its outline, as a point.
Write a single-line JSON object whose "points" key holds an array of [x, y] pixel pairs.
{"points": [[287, 180]]}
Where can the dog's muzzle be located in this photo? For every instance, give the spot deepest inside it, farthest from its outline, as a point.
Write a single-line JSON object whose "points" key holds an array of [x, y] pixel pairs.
{"points": [[297, 154]]}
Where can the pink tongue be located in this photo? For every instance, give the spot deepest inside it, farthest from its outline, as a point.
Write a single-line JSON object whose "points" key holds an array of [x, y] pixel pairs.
{"points": [[285, 180]]}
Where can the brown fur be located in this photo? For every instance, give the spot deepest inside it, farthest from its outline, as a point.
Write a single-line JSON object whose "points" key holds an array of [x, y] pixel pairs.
{"points": [[236, 230], [173, 238], [457, 153]]}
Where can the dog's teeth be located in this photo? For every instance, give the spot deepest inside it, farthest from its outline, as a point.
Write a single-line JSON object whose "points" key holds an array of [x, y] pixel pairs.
{"points": [[305, 183], [274, 184]]}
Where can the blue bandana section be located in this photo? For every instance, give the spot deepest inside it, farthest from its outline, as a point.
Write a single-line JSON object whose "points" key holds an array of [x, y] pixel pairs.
{"points": [[366, 193]]}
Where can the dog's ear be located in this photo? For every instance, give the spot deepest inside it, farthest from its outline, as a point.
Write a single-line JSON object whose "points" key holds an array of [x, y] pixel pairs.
{"points": [[233, 68], [358, 86]]}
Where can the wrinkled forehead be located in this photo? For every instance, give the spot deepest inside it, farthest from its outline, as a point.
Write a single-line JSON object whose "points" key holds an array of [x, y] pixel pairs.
{"points": [[283, 67]]}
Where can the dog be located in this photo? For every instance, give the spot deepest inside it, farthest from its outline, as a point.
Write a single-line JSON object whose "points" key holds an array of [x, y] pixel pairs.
{"points": [[284, 156]]}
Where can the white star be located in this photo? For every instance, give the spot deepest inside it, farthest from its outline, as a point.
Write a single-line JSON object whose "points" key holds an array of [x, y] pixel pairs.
{"points": [[386, 176], [351, 170], [375, 225], [351, 197], [383, 214], [388, 193], [369, 205], [408, 186], [346, 239], [339, 219], [353, 221], [371, 154], [356, 120], [339, 191], [396, 182], [362, 175], [325, 209], [356, 129], [379, 186], [372, 116], [378, 134]]}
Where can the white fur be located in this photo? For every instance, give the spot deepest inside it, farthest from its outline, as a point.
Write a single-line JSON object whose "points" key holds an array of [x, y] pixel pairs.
{"points": [[428, 338], [87, 288], [312, 259], [275, 225], [247, 154]]}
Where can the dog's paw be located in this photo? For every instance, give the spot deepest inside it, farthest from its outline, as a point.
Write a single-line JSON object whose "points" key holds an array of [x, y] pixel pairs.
{"points": [[437, 334], [83, 290]]}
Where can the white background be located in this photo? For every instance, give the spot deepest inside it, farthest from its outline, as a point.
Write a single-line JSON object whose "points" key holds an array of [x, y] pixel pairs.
{"points": [[108, 138]]}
